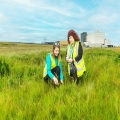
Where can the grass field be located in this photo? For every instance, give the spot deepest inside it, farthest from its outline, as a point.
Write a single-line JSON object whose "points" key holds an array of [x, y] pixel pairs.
{"points": [[25, 96]]}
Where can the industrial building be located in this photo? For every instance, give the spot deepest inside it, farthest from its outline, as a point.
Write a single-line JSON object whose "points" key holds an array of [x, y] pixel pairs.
{"points": [[62, 42], [83, 37], [107, 42], [96, 39]]}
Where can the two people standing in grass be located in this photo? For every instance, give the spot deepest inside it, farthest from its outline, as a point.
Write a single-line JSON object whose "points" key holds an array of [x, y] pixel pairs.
{"points": [[74, 57], [53, 66]]}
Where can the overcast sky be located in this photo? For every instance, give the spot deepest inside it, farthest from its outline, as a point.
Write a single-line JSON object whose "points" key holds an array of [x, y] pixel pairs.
{"points": [[39, 20]]}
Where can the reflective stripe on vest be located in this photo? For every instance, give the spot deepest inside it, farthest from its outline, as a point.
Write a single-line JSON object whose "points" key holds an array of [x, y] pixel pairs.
{"points": [[53, 64], [80, 64]]}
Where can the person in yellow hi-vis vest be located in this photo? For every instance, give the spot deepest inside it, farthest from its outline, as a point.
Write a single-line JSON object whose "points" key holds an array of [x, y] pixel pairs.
{"points": [[74, 57], [53, 66]]}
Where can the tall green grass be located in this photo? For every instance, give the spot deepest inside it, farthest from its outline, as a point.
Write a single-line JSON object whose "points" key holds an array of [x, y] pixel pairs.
{"points": [[25, 96]]}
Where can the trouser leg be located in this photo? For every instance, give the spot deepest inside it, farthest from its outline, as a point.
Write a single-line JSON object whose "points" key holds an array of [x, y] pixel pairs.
{"points": [[55, 71], [73, 72], [80, 79]]}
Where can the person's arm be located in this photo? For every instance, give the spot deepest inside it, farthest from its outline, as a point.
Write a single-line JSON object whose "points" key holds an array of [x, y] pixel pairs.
{"points": [[80, 53], [48, 61], [61, 73]]}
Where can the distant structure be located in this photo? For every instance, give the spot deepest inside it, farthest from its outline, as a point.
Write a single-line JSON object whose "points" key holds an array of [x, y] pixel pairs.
{"points": [[63, 43], [96, 39], [107, 42], [83, 37], [48, 43]]}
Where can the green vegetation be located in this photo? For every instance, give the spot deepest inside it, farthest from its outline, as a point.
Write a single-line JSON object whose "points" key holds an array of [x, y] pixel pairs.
{"points": [[25, 96]]}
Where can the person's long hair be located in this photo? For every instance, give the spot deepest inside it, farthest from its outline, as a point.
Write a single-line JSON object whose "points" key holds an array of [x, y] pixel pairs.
{"points": [[54, 46], [74, 34]]}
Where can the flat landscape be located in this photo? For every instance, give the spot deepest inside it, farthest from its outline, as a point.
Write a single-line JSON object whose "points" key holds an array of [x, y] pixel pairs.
{"points": [[25, 96]]}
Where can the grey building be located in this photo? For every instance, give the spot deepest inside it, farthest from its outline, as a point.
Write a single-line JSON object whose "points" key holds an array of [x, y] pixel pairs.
{"points": [[83, 36]]}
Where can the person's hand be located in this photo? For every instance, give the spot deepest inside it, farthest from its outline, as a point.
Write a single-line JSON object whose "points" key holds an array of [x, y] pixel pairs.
{"points": [[61, 81], [69, 60], [55, 81]]}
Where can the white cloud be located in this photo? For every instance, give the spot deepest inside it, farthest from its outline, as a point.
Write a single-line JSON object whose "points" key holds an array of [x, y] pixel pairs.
{"points": [[3, 18], [25, 3], [103, 18], [55, 24], [64, 8], [30, 28]]}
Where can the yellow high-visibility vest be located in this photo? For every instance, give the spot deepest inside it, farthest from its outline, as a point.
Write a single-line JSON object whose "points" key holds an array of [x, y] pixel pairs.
{"points": [[80, 65], [53, 64]]}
